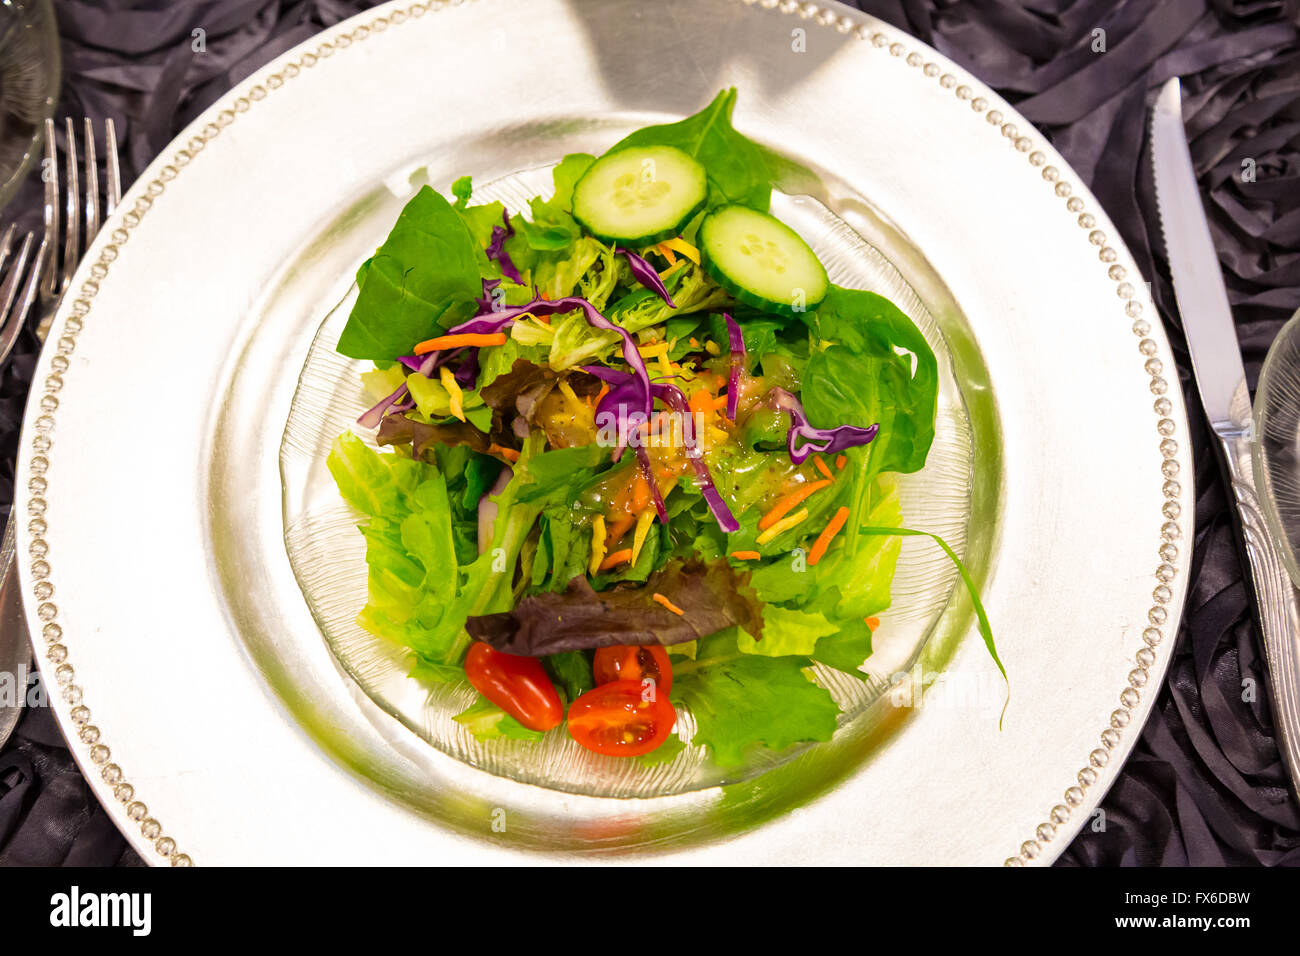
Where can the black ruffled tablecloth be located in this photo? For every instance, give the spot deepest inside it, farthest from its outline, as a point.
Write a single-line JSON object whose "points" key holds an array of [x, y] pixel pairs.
{"points": [[1205, 784]]}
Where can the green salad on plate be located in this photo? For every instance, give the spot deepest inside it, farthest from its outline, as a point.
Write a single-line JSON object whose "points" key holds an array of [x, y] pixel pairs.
{"points": [[640, 451]]}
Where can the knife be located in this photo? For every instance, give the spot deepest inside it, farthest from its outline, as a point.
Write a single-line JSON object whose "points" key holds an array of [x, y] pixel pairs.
{"points": [[1221, 381]]}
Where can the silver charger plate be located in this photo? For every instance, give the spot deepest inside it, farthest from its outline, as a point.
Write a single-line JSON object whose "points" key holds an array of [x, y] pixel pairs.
{"points": [[213, 711]]}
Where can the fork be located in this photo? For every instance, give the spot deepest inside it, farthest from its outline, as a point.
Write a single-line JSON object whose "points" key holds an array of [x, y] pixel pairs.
{"points": [[50, 276], [19, 288], [57, 273]]}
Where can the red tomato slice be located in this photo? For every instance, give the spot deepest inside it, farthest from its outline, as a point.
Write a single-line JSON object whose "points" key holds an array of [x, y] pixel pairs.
{"points": [[633, 662], [518, 685], [624, 718]]}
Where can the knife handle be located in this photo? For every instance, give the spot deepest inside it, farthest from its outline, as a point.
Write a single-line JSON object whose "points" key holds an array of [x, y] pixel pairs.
{"points": [[1275, 598]]}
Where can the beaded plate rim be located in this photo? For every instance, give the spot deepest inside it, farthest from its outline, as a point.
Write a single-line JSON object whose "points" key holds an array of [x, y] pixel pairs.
{"points": [[89, 747]]}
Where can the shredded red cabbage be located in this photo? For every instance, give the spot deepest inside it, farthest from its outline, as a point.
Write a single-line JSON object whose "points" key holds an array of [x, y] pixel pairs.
{"points": [[485, 302], [623, 402], [645, 273], [633, 397], [816, 440], [374, 415], [737, 342], [497, 249], [672, 396], [499, 321]]}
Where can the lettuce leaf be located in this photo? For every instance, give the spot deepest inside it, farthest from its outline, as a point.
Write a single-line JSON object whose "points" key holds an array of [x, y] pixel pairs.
{"points": [[420, 594], [410, 548], [486, 721], [743, 700], [552, 228], [712, 596], [420, 282], [787, 632]]}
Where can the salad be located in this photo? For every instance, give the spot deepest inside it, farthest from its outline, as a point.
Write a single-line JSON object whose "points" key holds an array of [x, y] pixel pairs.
{"points": [[640, 451]]}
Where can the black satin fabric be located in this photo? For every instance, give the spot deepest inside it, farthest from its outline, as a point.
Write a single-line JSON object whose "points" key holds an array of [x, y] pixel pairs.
{"points": [[1204, 785]]}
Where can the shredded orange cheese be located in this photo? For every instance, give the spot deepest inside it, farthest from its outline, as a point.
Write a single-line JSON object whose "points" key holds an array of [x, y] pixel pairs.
{"points": [[785, 524]]}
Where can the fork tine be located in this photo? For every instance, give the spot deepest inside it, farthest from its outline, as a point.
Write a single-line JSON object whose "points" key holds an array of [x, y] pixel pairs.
{"points": [[114, 171], [51, 177], [72, 244], [10, 287], [7, 243], [92, 186], [13, 321]]}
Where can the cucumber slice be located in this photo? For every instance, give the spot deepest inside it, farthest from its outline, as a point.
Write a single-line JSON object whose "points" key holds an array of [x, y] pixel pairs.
{"points": [[639, 196], [761, 261]]}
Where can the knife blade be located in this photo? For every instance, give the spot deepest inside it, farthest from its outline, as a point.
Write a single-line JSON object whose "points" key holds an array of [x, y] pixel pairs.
{"points": [[1221, 381], [1198, 282]]}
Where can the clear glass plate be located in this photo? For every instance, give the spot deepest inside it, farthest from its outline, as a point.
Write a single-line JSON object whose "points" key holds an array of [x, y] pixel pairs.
{"points": [[328, 553], [29, 85]]}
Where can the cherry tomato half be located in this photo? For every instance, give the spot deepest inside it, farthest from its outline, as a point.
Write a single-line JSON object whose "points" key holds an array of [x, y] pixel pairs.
{"points": [[624, 718], [633, 662], [518, 685]]}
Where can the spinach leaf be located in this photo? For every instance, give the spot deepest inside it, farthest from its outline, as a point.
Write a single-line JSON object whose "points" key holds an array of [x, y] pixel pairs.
{"points": [[572, 673], [737, 167], [421, 281], [862, 379]]}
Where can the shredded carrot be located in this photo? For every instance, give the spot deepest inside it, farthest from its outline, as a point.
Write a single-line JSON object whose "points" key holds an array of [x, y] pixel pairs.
{"points": [[541, 294], [871, 622], [695, 343], [782, 526], [824, 539], [786, 503], [619, 528], [604, 390], [720, 403], [746, 555], [509, 454], [456, 341], [640, 493], [660, 599], [701, 402], [841, 461], [615, 559], [821, 466], [664, 250]]}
